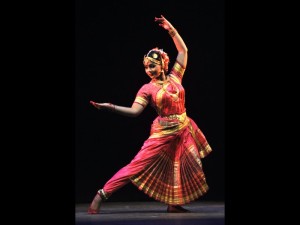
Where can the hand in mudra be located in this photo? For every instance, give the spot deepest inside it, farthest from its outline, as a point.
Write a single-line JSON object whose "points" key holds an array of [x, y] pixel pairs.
{"points": [[98, 105], [107, 106], [163, 22]]}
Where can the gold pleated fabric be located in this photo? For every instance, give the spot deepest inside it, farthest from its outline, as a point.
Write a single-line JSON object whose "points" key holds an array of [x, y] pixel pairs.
{"points": [[175, 176]]}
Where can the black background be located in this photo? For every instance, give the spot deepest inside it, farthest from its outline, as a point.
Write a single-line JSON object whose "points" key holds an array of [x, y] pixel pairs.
{"points": [[111, 40], [47, 165]]}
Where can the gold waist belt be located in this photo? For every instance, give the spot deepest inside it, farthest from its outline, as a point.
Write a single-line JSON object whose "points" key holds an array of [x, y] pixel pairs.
{"points": [[180, 117], [168, 125]]}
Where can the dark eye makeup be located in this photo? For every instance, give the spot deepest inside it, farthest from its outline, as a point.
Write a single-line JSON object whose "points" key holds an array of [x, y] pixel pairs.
{"points": [[151, 66]]}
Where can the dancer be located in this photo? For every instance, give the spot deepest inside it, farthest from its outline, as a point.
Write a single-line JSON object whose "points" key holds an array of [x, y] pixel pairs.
{"points": [[168, 166]]}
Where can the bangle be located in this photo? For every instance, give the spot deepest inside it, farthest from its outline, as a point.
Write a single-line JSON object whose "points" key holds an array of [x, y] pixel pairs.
{"points": [[172, 32], [112, 107]]}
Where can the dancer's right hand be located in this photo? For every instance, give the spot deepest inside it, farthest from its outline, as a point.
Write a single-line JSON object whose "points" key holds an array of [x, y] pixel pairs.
{"points": [[96, 105]]}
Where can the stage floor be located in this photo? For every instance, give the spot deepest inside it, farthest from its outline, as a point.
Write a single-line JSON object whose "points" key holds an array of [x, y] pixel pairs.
{"points": [[146, 213]]}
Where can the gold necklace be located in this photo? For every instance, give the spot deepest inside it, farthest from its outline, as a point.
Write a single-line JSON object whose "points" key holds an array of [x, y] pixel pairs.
{"points": [[164, 84]]}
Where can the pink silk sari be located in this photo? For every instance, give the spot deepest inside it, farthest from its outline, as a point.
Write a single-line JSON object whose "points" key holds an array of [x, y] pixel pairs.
{"points": [[168, 166]]}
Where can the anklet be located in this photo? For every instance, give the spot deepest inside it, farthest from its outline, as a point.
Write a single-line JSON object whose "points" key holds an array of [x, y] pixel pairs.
{"points": [[102, 194]]}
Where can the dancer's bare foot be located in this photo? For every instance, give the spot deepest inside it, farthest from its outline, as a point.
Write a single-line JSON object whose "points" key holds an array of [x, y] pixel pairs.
{"points": [[176, 209], [95, 205]]}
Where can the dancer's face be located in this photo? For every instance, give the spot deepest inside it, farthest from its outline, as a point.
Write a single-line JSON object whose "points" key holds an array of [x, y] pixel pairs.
{"points": [[153, 70]]}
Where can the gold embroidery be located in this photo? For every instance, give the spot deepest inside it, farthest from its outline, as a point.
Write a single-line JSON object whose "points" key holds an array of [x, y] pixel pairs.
{"points": [[141, 100], [164, 85]]}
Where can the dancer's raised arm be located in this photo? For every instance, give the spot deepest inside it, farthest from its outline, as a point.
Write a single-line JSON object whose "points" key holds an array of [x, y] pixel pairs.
{"points": [[179, 43]]}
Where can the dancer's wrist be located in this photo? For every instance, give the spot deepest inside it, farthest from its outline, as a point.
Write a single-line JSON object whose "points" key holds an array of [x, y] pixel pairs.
{"points": [[111, 107], [172, 32]]}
